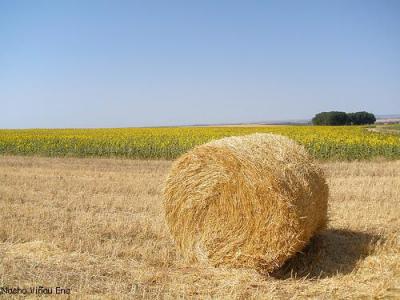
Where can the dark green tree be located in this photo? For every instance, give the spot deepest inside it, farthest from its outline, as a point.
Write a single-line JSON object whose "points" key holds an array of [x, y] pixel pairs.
{"points": [[331, 118], [361, 118]]}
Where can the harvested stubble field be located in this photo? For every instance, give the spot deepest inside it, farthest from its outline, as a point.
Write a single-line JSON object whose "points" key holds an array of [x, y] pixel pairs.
{"points": [[96, 226]]}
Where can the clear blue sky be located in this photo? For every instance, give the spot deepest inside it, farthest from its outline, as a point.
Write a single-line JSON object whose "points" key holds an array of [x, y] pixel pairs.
{"points": [[145, 63]]}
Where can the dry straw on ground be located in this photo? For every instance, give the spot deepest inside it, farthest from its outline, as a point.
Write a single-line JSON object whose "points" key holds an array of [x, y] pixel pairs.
{"points": [[250, 201], [97, 226]]}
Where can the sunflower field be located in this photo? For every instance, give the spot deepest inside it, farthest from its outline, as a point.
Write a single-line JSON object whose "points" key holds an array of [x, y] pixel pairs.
{"points": [[324, 142]]}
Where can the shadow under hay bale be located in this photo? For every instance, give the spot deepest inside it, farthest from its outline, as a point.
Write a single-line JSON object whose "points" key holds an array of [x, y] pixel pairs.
{"points": [[331, 252]]}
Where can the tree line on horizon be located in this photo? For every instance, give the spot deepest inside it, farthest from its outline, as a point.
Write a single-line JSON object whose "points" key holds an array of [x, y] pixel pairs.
{"points": [[342, 118]]}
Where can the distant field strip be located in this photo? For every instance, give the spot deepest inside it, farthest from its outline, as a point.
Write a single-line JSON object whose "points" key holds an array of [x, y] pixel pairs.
{"points": [[343, 143], [389, 129]]}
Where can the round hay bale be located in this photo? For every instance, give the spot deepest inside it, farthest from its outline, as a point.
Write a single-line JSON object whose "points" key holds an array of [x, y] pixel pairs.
{"points": [[249, 201]]}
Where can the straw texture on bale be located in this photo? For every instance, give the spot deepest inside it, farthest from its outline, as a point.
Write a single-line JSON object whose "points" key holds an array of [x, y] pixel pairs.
{"points": [[250, 201]]}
